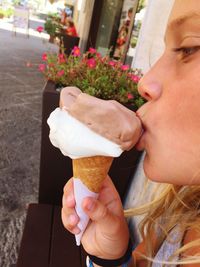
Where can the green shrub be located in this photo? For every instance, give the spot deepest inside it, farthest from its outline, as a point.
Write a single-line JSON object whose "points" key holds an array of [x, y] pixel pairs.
{"points": [[133, 42], [9, 12], [6, 13], [52, 25], [1, 14]]}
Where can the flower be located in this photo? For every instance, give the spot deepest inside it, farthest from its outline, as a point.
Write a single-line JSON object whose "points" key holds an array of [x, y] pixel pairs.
{"points": [[91, 63], [60, 73], [61, 58], [112, 63], [44, 56], [134, 78], [125, 67], [76, 51], [42, 67], [92, 50], [40, 29], [97, 75], [130, 96]]}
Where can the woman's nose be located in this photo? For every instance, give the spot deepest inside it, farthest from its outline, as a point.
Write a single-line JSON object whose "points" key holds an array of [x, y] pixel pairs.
{"points": [[150, 90]]}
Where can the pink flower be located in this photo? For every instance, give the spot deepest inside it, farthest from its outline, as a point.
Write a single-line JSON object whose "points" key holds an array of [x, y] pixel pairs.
{"points": [[40, 29], [61, 58], [135, 78], [112, 63], [76, 51], [44, 56], [91, 63], [92, 50], [42, 67], [28, 64], [98, 55], [60, 73], [130, 96], [125, 67]]}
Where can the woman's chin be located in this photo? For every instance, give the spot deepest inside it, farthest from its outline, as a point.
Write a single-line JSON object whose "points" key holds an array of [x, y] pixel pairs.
{"points": [[151, 172]]}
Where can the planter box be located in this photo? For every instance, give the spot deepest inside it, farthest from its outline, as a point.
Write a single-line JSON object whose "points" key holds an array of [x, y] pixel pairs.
{"points": [[56, 169]]}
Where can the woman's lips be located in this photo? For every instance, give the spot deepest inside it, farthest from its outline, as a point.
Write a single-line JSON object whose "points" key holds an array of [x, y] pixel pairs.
{"points": [[140, 144]]}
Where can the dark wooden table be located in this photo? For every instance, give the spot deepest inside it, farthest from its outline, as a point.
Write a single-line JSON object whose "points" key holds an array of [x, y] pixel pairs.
{"points": [[45, 242]]}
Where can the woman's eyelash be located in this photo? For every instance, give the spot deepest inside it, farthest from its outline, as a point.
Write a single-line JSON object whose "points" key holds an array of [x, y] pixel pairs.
{"points": [[186, 51]]}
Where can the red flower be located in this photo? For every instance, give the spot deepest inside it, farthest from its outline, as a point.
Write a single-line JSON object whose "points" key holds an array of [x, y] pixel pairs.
{"points": [[91, 63], [60, 73], [92, 50], [135, 78], [76, 51], [125, 67], [44, 56], [40, 29], [61, 58], [42, 67], [98, 55], [130, 96], [112, 63]]}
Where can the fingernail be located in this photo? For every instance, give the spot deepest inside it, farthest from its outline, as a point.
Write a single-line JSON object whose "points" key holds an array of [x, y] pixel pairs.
{"points": [[69, 199], [73, 219], [76, 231], [90, 205]]}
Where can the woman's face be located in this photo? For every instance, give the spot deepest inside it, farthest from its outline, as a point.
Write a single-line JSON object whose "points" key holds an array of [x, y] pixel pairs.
{"points": [[171, 117]]}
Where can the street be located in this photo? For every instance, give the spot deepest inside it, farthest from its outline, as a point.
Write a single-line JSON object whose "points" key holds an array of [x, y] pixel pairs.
{"points": [[21, 86]]}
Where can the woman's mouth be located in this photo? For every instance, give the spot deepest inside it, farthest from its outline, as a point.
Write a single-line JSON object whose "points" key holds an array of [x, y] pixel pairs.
{"points": [[140, 144]]}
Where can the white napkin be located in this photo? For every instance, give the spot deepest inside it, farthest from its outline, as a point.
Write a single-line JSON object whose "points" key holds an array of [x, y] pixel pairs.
{"points": [[80, 192]]}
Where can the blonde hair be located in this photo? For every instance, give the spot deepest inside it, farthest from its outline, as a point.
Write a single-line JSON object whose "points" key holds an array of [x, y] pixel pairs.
{"points": [[170, 206]]}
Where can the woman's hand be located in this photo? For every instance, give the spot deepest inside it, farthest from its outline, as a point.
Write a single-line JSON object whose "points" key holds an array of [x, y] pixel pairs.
{"points": [[106, 235]]}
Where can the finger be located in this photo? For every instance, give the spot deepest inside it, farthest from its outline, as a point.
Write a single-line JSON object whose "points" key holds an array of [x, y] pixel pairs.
{"points": [[70, 221], [68, 199], [69, 217], [108, 185], [100, 214], [110, 197]]}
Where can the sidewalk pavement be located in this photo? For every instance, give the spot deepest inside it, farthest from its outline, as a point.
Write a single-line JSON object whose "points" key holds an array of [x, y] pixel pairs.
{"points": [[20, 130]]}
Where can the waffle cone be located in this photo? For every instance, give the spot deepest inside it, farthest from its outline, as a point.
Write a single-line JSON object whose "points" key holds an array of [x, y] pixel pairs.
{"points": [[92, 171]]}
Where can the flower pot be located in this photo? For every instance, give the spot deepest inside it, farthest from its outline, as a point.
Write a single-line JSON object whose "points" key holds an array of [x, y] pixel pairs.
{"points": [[56, 169]]}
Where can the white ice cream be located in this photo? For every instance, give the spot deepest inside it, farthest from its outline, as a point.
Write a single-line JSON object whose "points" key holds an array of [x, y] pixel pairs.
{"points": [[76, 140]]}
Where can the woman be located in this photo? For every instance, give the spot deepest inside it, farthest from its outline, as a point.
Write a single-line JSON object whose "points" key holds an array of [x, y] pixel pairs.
{"points": [[171, 139], [70, 27], [122, 36]]}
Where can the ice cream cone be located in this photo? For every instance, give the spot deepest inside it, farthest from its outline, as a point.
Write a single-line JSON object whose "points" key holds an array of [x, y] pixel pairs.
{"points": [[92, 171]]}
